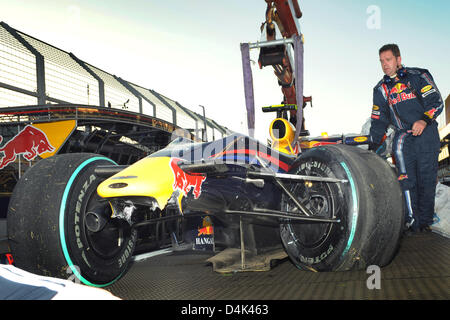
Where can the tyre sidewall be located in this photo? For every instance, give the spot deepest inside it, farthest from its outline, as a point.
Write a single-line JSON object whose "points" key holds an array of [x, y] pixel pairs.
{"points": [[85, 264], [329, 253]]}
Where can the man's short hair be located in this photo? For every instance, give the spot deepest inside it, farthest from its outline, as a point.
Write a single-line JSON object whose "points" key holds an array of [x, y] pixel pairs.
{"points": [[392, 47]]}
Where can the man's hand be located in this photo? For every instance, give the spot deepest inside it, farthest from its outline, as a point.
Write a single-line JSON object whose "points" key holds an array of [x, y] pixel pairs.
{"points": [[418, 127]]}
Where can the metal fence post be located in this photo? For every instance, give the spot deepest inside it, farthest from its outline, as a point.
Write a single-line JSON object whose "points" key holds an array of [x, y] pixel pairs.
{"points": [[132, 90], [174, 112], [101, 83], [204, 120], [40, 65]]}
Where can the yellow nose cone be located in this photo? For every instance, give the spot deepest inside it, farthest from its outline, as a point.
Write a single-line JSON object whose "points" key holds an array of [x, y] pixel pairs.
{"points": [[149, 177]]}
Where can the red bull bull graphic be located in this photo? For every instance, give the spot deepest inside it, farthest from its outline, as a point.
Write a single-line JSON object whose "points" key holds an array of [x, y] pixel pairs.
{"points": [[185, 181], [205, 231], [397, 95], [430, 113], [398, 88], [29, 142], [204, 239]]}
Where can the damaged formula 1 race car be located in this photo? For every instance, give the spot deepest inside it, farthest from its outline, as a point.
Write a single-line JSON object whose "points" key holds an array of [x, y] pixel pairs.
{"points": [[335, 207]]}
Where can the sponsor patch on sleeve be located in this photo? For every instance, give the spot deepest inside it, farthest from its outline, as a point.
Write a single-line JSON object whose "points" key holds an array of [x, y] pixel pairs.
{"points": [[428, 92], [430, 113], [426, 88]]}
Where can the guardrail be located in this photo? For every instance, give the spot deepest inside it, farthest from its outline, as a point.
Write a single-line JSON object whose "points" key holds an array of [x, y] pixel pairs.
{"points": [[36, 73]]}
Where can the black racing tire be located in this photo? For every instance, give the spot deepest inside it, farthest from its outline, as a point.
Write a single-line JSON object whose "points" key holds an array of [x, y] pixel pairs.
{"points": [[46, 223], [370, 208]]}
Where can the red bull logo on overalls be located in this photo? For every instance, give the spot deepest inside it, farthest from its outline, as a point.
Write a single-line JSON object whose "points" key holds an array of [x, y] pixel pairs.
{"points": [[397, 95], [29, 142], [185, 181]]}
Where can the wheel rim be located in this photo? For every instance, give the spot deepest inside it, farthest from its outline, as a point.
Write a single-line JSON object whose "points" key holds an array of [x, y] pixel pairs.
{"points": [[318, 198], [109, 241]]}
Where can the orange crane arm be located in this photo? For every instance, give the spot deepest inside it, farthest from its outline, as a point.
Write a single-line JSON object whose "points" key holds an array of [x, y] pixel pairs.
{"points": [[284, 14]]}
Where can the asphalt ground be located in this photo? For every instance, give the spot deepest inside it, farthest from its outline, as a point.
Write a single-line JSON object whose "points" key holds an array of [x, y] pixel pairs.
{"points": [[420, 271]]}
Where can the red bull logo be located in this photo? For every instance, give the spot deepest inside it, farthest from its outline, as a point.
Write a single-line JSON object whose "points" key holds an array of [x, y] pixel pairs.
{"points": [[185, 181], [430, 113], [398, 88], [30, 142], [205, 231], [400, 95], [205, 235]]}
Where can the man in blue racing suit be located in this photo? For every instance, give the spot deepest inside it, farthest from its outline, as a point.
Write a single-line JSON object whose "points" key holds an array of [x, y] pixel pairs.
{"points": [[408, 99]]}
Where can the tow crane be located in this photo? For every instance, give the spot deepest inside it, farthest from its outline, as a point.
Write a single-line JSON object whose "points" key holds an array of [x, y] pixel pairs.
{"points": [[285, 55]]}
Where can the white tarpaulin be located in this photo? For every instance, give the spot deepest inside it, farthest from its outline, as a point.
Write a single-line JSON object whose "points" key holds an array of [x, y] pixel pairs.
{"points": [[441, 218]]}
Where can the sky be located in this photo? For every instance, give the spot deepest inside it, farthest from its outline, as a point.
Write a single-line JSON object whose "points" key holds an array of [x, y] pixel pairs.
{"points": [[189, 50]]}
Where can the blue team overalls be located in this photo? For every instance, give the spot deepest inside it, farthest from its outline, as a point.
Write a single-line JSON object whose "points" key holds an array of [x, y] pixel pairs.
{"points": [[412, 95]]}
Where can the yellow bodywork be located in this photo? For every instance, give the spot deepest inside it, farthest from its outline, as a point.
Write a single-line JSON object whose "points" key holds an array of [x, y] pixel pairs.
{"points": [[149, 177], [284, 143], [57, 133]]}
